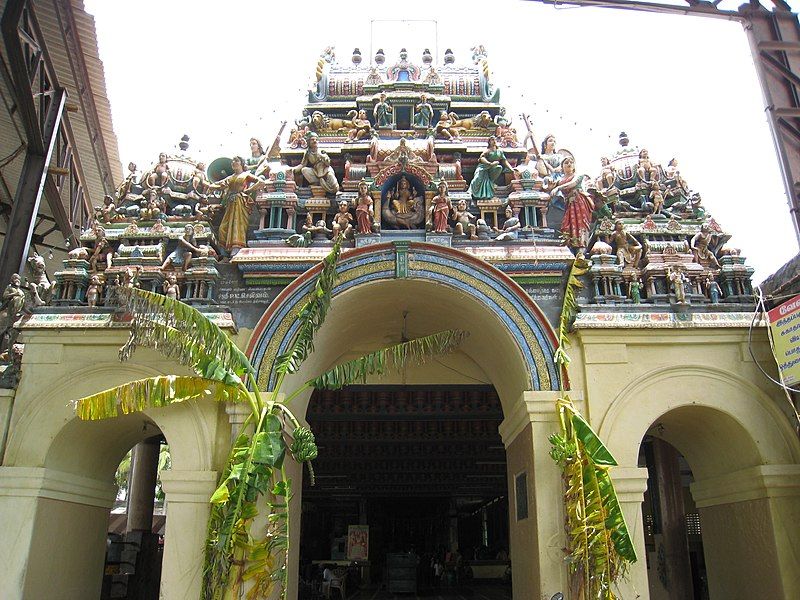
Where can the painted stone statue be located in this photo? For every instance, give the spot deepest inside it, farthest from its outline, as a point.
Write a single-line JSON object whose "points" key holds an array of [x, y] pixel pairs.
{"points": [[441, 207], [365, 214], [579, 206], [627, 248], [403, 209], [511, 227], [184, 252], [237, 203], [343, 221], [424, 113], [491, 168], [315, 167], [464, 220], [383, 113]]}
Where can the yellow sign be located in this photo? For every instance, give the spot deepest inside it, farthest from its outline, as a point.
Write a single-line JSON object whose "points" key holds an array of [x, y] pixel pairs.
{"points": [[784, 321]]}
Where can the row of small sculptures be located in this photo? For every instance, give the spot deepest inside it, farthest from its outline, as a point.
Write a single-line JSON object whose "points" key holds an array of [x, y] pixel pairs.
{"points": [[357, 125], [679, 284], [438, 217], [628, 249]]}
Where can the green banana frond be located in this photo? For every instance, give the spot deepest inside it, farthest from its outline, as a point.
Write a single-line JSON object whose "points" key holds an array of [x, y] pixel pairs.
{"points": [[592, 444], [183, 333], [615, 519], [311, 315], [392, 358], [579, 267], [152, 392]]}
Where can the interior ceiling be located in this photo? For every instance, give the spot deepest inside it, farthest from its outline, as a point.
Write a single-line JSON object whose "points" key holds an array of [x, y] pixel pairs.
{"points": [[409, 441]]}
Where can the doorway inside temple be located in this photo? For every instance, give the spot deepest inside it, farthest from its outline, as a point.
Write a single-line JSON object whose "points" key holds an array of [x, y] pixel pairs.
{"points": [[673, 538], [411, 493]]}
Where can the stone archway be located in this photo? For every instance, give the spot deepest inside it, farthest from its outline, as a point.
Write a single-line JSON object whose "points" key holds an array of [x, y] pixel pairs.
{"points": [[56, 482], [743, 454], [511, 347]]}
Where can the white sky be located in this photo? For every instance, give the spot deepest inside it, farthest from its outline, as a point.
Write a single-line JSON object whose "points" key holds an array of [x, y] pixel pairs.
{"points": [[679, 86]]}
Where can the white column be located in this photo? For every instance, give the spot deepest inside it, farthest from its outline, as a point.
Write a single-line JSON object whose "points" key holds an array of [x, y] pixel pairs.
{"points": [[537, 557], [52, 518], [187, 495], [631, 484]]}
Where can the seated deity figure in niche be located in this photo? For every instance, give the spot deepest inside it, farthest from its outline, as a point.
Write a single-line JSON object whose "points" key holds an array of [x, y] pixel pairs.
{"points": [[343, 221], [382, 113], [315, 167], [403, 208], [424, 112], [491, 168]]}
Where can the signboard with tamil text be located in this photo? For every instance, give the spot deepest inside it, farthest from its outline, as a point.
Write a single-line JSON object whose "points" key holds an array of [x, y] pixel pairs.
{"points": [[784, 321]]}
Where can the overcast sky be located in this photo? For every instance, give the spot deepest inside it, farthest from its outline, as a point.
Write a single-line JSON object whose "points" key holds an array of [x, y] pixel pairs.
{"points": [[679, 86]]}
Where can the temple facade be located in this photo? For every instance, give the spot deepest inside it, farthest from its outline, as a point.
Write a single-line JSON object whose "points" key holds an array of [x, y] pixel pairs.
{"points": [[452, 214]]}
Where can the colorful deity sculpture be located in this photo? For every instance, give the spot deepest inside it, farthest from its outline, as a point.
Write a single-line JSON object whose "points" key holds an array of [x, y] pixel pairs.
{"points": [[579, 206], [365, 213], [464, 220], [237, 204], [423, 114], [382, 112], [492, 166], [441, 207], [343, 221], [511, 227], [315, 167]]}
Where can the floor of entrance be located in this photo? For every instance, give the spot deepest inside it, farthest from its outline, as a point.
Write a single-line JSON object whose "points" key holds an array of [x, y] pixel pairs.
{"points": [[415, 476], [480, 591]]}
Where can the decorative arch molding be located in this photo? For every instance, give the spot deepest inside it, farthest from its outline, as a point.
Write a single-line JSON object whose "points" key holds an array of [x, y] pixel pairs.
{"points": [[185, 426], [522, 318], [636, 408]]}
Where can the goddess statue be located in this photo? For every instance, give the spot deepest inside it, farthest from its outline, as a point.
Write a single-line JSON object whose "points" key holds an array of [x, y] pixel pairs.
{"points": [[237, 203], [315, 167], [403, 208], [579, 206], [365, 214], [256, 154], [424, 112], [549, 163], [383, 112], [441, 206], [492, 165]]}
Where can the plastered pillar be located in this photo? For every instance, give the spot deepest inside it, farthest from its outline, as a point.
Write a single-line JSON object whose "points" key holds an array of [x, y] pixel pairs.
{"points": [[631, 484], [537, 561], [51, 518], [187, 495], [751, 540]]}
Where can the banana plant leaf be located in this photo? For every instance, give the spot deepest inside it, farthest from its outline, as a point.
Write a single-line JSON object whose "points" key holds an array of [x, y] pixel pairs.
{"points": [[183, 333], [596, 449], [153, 392], [392, 358]]}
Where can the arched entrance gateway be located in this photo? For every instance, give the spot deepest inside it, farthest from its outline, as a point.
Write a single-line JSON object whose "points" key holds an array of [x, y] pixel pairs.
{"points": [[417, 456], [449, 220]]}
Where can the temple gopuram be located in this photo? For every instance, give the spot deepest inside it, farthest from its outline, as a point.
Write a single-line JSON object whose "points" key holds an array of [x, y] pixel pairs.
{"points": [[452, 213]]}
